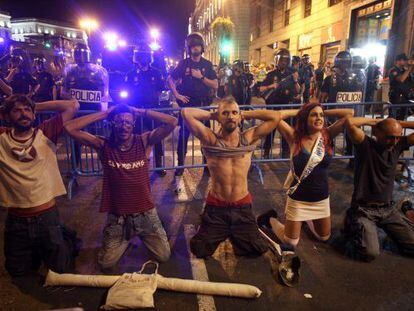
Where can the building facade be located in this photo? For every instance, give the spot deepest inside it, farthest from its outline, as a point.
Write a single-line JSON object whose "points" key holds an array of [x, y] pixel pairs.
{"points": [[39, 33], [322, 28], [5, 26], [238, 12]]}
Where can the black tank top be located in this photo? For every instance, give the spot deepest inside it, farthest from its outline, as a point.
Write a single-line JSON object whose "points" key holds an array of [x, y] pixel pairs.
{"points": [[315, 187]]}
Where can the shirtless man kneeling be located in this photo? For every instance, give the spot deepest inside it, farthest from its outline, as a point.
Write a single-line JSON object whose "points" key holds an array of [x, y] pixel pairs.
{"points": [[228, 210]]}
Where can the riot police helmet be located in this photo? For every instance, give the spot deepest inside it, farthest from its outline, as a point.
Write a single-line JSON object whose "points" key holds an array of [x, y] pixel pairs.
{"points": [[81, 53], [295, 60], [358, 62], [194, 39], [39, 62], [142, 55], [283, 55], [343, 60]]}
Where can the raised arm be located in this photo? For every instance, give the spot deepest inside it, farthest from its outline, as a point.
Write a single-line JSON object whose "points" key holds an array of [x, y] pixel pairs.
{"points": [[270, 120], [194, 118], [5, 88], [287, 131], [67, 108], [408, 125], [338, 127], [74, 129], [353, 125], [158, 134]]}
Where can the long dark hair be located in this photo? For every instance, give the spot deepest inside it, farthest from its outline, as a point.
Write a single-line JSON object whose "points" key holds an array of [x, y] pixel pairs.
{"points": [[301, 128]]}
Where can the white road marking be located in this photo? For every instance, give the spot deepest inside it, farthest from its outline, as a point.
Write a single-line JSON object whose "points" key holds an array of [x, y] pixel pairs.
{"points": [[199, 271]]}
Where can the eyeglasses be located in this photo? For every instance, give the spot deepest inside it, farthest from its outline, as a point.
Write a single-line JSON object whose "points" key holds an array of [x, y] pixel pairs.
{"points": [[120, 123]]}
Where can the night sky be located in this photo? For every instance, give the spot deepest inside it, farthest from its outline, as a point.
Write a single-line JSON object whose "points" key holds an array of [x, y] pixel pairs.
{"points": [[128, 17]]}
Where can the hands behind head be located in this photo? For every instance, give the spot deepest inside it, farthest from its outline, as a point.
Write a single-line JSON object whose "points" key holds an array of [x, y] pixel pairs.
{"points": [[214, 116]]}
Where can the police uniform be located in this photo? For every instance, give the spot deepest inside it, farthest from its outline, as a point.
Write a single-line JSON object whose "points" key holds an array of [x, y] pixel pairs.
{"points": [[145, 86], [46, 82], [22, 82], [85, 81], [284, 94], [400, 91], [306, 74], [342, 88], [195, 89], [372, 75], [238, 87], [199, 94]]}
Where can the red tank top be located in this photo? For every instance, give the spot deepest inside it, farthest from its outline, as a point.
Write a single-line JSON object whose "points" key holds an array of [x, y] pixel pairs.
{"points": [[126, 183]]}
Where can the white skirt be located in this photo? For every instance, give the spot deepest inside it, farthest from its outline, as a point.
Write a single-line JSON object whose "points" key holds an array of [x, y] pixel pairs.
{"points": [[302, 211]]}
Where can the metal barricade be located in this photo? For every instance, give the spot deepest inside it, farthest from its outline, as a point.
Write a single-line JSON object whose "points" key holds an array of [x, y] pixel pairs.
{"points": [[78, 160]]}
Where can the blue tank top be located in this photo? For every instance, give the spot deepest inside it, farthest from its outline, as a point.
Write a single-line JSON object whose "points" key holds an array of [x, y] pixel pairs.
{"points": [[315, 187]]}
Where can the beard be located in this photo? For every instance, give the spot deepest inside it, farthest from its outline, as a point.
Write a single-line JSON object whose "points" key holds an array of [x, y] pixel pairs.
{"points": [[196, 53], [23, 128], [230, 127]]}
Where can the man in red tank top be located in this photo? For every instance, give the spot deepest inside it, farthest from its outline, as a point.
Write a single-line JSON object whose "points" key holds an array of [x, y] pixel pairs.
{"points": [[126, 193]]}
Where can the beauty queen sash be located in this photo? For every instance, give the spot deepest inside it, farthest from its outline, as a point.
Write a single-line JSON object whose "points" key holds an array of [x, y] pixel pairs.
{"points": [[317, 155]]}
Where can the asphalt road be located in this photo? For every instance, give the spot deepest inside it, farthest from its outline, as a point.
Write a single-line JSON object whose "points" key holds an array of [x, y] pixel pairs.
{"points": [[333, 281]]}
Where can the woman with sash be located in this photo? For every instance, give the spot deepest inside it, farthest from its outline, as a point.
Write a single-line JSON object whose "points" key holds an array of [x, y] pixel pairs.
{"points": [[307, 181]]}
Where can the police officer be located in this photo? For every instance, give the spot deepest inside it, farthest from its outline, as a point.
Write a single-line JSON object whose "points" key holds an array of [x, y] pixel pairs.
{"points": [[85, 81], [19, 79], [250, 81], [401, 84], [373, 74], [306, 73], [342, 86], [319, 75], [238, 85], [45, 89], [198, 81], [145, 84], [280, 88]]}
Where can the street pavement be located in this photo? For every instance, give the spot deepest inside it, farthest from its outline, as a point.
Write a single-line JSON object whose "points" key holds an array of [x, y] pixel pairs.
{"points": [[330, 280]]}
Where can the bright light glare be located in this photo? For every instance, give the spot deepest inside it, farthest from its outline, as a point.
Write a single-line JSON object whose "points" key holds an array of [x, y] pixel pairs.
{"points": [[123, 94], [1, 40], [88, 23], [371, 50], [122, 43], [154, 46], [110, 36], [155, 33]]}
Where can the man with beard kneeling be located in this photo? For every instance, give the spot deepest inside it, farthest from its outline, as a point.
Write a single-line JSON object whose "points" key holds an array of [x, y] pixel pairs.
{"points": [[228, 209]]}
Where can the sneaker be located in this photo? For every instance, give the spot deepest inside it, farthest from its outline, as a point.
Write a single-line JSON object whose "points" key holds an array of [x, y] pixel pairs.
{"points": [[263, 220], [161, 173], [179, 172]]}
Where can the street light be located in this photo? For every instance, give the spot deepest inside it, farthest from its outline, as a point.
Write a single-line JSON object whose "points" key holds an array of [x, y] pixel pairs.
{"points": [[155, 33], [88, 24]]}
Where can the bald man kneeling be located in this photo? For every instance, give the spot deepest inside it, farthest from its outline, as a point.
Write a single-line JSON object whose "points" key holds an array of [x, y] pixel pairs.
{"points": [[372, 206]]}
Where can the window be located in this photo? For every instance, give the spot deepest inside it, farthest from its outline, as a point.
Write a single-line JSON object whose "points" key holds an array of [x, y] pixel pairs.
{"points": [[271, 7], [333, 2], [258, 20], [308, 7], [287, 12]]}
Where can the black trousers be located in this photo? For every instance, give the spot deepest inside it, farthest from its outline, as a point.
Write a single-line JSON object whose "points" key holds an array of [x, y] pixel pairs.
{"points": [[268, 143], [185, 132], [145, 124], [236, 223], [29, 241], [361, 224]]}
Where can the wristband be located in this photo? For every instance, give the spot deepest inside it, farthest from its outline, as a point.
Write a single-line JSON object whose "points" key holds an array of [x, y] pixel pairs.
{"points": [[202, 78]]}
